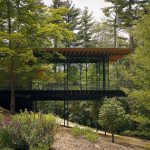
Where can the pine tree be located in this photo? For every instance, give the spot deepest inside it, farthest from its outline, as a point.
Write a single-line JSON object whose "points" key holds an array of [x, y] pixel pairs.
{"points": [[57, 4], [84, 35], [16, 55], [72, 18], [125, 12]]}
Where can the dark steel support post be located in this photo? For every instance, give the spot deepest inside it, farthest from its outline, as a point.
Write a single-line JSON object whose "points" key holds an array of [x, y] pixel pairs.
{"points": [[97, 114], [64, 112], [34, 106], [86, 70], [104, 72], [108, 73], [96, 76], [64, 99], [80, 76], [67, 90], [99, 76]]}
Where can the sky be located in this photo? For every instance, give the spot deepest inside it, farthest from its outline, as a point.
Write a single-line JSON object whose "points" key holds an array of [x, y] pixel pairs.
{"points": [[94, 6]]}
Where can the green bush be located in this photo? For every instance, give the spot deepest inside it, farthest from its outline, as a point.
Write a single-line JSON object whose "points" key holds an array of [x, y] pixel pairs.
{"points": [[29, 130], [76, 131], [91, 137], [142, 134], [11, 139], [86, 133]]}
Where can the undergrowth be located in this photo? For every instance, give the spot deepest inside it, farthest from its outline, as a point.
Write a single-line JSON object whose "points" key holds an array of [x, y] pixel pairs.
{"points": [[87, 133]]}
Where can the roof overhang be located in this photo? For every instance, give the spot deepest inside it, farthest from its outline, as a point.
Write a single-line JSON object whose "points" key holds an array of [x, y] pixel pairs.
{"points": [[113, 53]]}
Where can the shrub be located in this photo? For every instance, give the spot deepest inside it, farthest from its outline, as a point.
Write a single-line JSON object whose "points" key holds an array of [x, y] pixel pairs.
{"points": [[29, 130], [91, 137], [76, 131], [142, 134], [86, 133]]}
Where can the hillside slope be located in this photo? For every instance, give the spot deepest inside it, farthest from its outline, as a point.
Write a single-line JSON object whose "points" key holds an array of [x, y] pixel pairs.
{"points": [[65, 141]]}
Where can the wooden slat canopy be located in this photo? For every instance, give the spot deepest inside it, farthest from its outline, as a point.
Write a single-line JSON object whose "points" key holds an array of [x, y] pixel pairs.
{"points": [[113, 53]]}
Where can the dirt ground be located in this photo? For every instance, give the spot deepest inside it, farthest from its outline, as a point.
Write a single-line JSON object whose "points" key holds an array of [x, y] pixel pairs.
{"points": [[65, 141]]}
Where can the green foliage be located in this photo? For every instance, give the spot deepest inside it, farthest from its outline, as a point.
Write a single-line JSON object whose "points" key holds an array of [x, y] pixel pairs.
{"points": [[84, 38], [137, 72], [29, 130], [112, 115], [136, 133], [87, 133]]}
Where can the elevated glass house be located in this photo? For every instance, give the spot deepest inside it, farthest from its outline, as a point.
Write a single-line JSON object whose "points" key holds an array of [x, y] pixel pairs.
{"points": [[77, 82]]}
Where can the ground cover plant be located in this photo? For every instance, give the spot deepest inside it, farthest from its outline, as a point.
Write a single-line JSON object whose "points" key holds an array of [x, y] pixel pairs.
{"points": [[87, 133], [28, 130]]}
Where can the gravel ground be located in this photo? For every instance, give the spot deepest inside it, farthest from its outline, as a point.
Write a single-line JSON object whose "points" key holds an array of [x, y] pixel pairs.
{"points": [[65, 141]]}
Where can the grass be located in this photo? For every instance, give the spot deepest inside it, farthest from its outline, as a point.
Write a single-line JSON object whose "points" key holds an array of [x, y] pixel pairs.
{"points": [[87, 133]]}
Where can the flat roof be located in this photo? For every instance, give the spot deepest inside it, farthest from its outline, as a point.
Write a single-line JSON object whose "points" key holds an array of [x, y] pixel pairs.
{"points": [[113, 53]]}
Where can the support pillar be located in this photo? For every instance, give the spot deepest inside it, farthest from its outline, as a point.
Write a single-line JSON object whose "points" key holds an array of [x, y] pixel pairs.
{"points": [[80, 76], [97, 114], [108, 73], [104, 73], [86, 70], [67, 103]]}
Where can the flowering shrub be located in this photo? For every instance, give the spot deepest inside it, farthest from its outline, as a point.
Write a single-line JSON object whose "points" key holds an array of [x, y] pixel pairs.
{"points": [[29, 130]]}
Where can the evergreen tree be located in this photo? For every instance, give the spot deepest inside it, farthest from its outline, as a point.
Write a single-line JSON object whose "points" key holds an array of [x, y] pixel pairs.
{"points": [[57, 4], [124, 13], [16, 55], [72, 18], [84, 36], [24, 26], [104, 36], [138, 73]]}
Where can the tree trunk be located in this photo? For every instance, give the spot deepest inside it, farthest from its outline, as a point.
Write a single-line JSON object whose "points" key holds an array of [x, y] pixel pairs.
{"points": [[131, 40], [12, 102], [115, 28], [113, 139], [12, 74], [105, 133]]}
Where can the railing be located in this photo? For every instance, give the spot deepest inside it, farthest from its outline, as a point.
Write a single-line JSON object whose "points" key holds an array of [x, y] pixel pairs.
{"points": [[90, 85]]}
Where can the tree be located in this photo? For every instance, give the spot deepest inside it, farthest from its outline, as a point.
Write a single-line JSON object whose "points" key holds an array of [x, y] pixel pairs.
{"points": [[112, 116], [84, 35], [124, 13], [138, 73], [26, 25], [72, 17], [103, 35], [16, 55], [67, 19]]}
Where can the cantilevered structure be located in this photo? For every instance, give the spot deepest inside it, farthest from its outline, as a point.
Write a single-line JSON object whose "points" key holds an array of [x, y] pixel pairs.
{"points": [[67, 90]]}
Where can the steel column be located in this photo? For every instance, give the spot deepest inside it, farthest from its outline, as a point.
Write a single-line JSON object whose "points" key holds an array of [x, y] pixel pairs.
{"points": [[64, 99], [80, 76], [86, 70], [97, 114], [104, 72], [67, 89], [108, 73]]}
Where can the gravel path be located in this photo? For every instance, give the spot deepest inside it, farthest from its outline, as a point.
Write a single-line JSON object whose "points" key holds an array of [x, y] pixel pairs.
{"points": [[65, 141]]}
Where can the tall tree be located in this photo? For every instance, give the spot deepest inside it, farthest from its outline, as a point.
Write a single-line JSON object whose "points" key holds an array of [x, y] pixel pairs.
{"points": [[103, 34], [16, 54], [24, 26], [138, 73], [125, 12], [84, 34], [72, 17]]}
